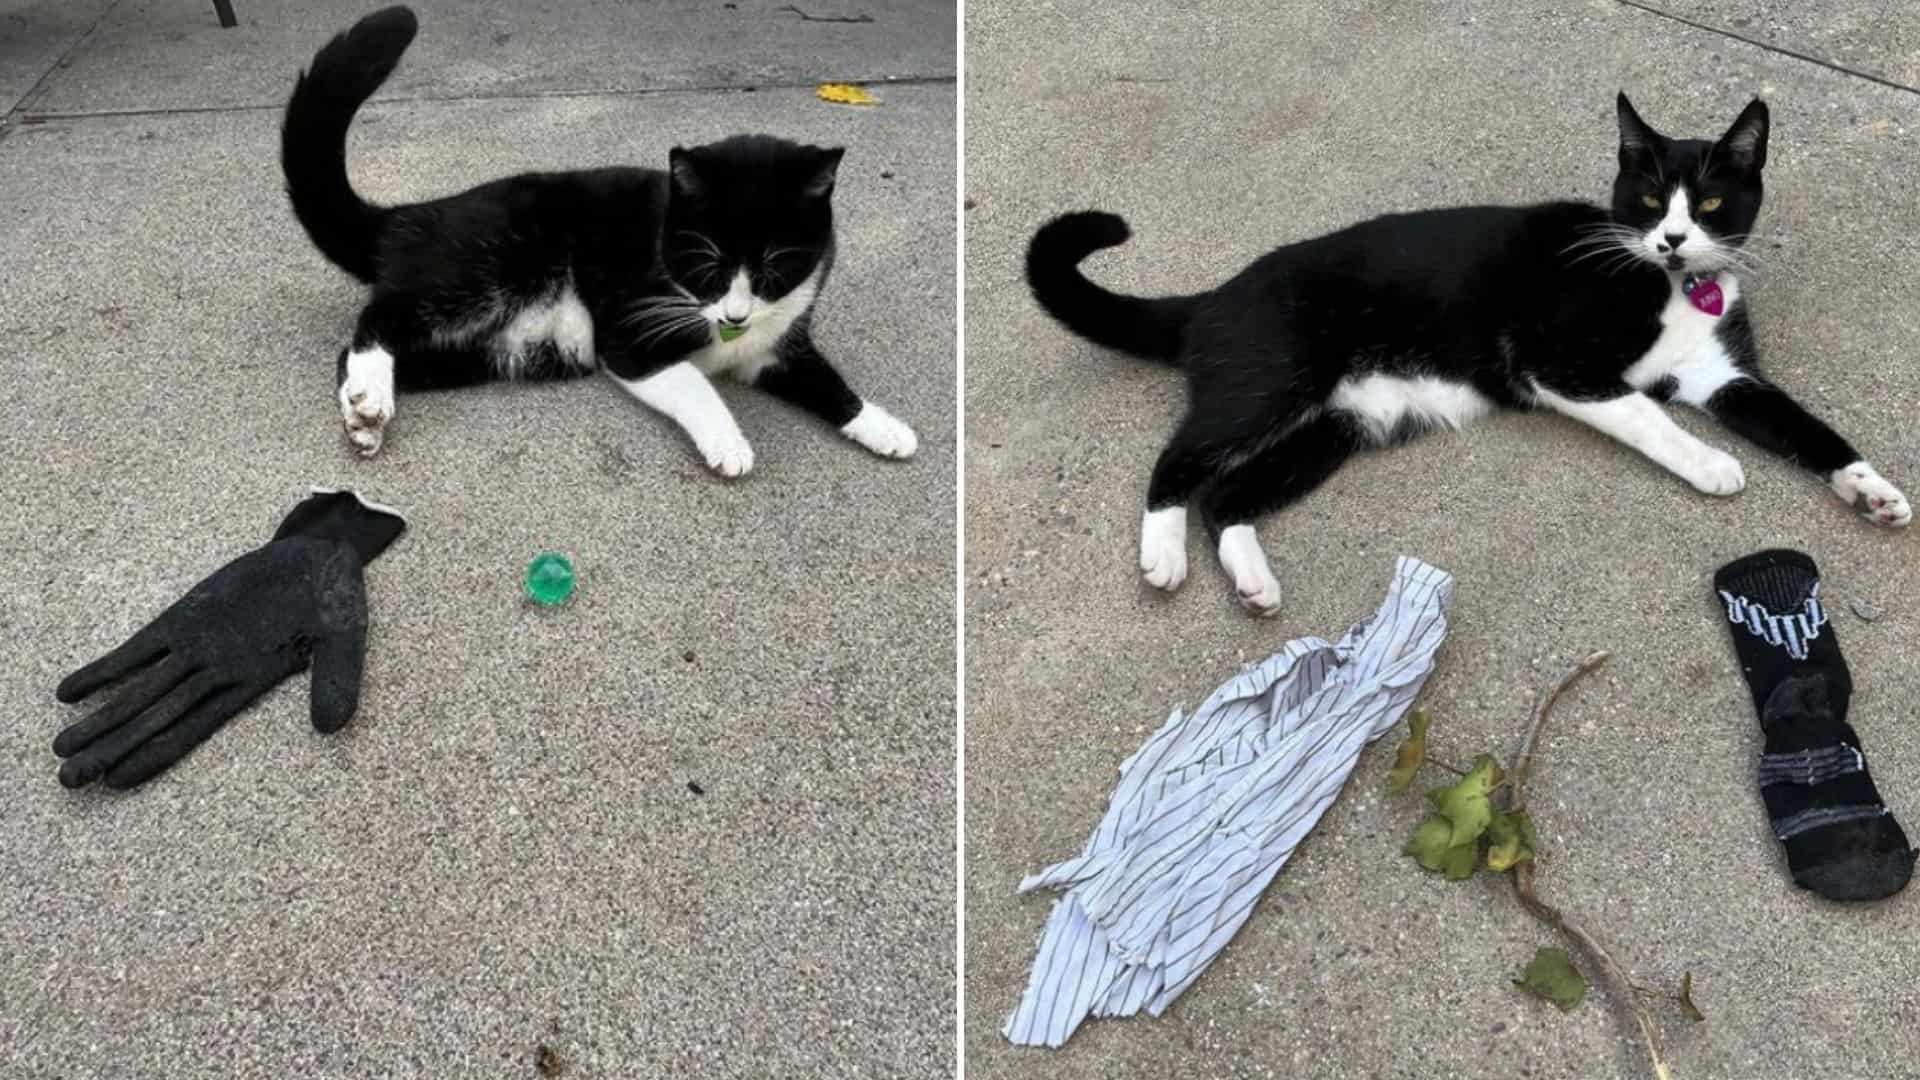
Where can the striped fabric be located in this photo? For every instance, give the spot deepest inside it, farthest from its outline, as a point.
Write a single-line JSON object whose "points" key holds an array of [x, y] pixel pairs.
{"points": [[1208, 811], [1815, 816], [1809, 767]]}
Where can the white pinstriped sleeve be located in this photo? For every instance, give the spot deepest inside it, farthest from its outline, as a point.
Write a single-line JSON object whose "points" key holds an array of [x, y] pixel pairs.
{"points": [[1212, 806]]}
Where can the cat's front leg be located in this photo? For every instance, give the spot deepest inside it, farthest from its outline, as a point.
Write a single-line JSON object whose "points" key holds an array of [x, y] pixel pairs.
{"points": [[1871, 495], [802, 377], [685, 395], [1638, 421], [1765, 415]]}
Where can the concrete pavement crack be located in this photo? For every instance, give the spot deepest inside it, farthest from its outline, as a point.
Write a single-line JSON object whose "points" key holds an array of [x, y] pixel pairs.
{"points": [[40, 84], [1780, 49]]}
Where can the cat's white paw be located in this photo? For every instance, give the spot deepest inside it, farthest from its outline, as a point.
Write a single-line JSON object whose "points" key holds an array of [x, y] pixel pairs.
{"points": [[881, 432], [1163, 547], [366, 400], [1253, 579], [1717, 473], [1872, 496], [730, 457]]}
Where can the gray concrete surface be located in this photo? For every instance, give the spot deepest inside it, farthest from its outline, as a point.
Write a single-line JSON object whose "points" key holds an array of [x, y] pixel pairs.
{"points": [[33, 39], [503, 850], [1222, 130], [1878, 38], [149, 54]]}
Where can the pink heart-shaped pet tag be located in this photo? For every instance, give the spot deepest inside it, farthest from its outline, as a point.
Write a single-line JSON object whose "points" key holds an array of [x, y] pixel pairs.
{"points": [[1707, 297]]}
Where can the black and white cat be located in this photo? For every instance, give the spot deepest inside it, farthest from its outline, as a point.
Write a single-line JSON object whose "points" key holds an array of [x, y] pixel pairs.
{"points": [[659, 278], [1413, 321]]}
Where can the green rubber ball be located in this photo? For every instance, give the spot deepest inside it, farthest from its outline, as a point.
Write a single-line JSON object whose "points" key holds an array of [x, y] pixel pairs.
{"points": [[550, 579]]}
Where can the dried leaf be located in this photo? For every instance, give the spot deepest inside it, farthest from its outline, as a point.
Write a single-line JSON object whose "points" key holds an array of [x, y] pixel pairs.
{"points": [[1551, 975], [1687, 1007], [1412, 752], [845, 94]]}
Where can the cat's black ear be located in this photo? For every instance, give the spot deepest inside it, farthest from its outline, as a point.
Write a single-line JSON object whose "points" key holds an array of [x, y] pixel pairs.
{"points": [[1636, 137], [1745, 144], [825, 167], [685, 171]]}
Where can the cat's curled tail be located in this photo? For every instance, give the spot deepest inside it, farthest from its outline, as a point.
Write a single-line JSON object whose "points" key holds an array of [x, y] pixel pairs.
{"points": [[1148, 328], [313, 138]]}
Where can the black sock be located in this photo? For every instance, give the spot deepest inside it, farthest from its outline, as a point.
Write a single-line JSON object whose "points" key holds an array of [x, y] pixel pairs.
{"points": [[1841, 841]]}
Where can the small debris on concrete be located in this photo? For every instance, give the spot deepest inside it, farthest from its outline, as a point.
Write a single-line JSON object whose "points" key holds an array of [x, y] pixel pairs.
{"points": [[1866, 611]]}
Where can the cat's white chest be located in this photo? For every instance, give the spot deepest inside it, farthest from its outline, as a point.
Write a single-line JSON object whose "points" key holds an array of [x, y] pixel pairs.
{"points": [[1687, 348], [743, 358], [746, 356]]}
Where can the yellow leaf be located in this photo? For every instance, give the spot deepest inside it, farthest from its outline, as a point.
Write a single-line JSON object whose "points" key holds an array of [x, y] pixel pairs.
{"points": [[845, 94], [1511, 836], [1412, 753]]}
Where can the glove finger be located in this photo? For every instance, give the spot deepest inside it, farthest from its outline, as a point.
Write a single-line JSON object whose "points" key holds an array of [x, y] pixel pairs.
{"points": [[148, 687], [337, 661], [159, 753], [88, 765], [143, 648]]}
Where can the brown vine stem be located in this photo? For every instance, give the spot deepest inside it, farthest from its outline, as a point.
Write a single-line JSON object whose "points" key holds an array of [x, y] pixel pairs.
{"points": [[1624, 989]]}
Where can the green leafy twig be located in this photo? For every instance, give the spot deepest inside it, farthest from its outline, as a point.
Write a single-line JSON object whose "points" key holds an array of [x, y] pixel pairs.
{"points": [[1523, 885], [1466, 830]]}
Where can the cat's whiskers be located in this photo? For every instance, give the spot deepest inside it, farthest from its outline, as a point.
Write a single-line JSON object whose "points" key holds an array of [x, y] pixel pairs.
{"points": [[772, 253], [1624, 260], [1736, 249], [668, 327], [669, 307], [1606, 240], [676, 307], [706, 242]]}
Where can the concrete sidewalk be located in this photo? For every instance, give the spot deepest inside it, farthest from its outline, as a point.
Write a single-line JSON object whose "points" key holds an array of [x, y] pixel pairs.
{"points": [[1222, 130], [697, 823]]}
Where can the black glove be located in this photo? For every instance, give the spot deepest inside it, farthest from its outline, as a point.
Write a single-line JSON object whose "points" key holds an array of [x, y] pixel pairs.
{"points": [[255, 621]]}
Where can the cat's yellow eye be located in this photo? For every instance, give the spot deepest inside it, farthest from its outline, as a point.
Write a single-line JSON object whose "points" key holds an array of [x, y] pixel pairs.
{"points": [[1708, 206], [1651, 202]]}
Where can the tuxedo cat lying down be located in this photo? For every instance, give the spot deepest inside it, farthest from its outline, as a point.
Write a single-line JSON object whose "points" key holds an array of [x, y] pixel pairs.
{"points": [[1369, 335], [660, 279]]}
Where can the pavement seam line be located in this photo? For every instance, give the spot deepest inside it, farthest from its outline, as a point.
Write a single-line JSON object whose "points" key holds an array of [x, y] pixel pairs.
{"points": [[1768, 46], [41, 84], [651, 91]]}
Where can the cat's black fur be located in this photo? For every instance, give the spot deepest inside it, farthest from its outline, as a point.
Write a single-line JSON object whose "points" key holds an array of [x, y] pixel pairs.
{"points": [[1501, 299], [640, 248]]}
